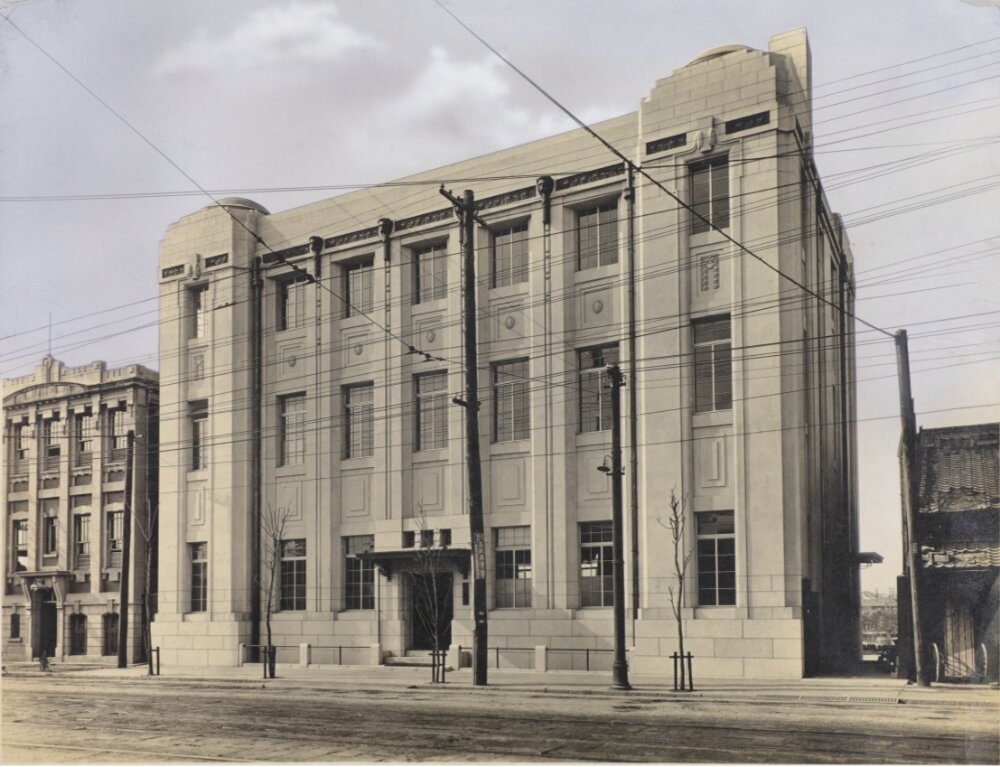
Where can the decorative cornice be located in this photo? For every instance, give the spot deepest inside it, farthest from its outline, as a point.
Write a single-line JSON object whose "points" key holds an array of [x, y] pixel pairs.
{"points": [[424, 218], [216, 260], [285, 254], [590, 176], [748, 122], [356, 236], [668, 142], [171, 271], [506, 198]]}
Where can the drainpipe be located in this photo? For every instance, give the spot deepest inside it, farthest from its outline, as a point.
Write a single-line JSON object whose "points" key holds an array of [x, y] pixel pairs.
{"points": [[316, 246], [545, 185], [256, 288]]}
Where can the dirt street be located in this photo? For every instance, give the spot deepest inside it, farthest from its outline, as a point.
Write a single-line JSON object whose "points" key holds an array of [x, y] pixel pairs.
{"points": [[75, 719]]}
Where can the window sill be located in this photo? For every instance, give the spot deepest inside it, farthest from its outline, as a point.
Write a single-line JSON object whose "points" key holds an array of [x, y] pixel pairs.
{"points": [[503, 292], [355, 321], [362, 462], [431, 455], [427, 307], [717, 612], [290, 470], [707, 238], [511, 447], [197, 617], [596, 273], [594, 439], [15, 640], [197, 475], [712, 418]]}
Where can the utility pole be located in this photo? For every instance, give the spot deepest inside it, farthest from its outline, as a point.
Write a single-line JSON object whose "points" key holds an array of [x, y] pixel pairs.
{"points": [[619, 666], [633, 404], [123, 594], [910, 480], [466, 208]]}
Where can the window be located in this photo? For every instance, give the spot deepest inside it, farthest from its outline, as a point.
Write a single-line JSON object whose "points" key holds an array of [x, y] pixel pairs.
{"points": [[198, 308], [292, 430], [19, 535], [430, 271], [359, 278], [426, 539], [199, 433], [512, 401], [81, 540], [83, 429], [713, 367], [360, 581], [358, 418], [513, 566], [78, 634], [15, 626], [50, 437], [444, 537], [432, 410], [115, 523], [596, 576], [20, 442], [109, 645], [293, 574], [716, 558], [710, 194], [117, 435], [199, 577], [597, 236], [595, 387], [291, 304], [510, 256], [50, 536]]}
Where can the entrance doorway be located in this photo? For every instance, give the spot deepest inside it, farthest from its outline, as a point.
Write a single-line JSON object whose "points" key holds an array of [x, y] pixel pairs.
{"points": [[431, 610], [44, 633]]}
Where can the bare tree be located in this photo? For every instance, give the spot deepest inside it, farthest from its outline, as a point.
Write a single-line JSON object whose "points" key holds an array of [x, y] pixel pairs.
{"points": [[676, 522], [146, 526], [273, 526], [431, 590]]}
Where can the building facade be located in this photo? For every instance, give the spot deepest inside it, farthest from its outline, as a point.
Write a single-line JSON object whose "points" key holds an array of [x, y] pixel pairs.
{"points": [[311, 359], [65, 458], [957, 526]]}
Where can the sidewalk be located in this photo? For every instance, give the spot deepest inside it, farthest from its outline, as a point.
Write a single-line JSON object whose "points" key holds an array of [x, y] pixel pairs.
{"points": [[853, 690]]}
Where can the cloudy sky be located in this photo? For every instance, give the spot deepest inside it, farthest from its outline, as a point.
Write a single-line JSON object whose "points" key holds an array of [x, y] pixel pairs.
{"points": [[264, 98]]}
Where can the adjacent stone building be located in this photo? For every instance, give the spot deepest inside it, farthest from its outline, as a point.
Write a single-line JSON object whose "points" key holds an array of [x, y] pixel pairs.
{"points": [[65, 450], [309, 412]]}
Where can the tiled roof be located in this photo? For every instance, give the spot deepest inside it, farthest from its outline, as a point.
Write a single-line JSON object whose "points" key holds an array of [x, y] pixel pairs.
{"points": [[959, 468], [961, 557]]}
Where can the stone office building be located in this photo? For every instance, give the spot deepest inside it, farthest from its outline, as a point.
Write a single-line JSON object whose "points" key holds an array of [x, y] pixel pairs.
{"points": [[318, 399], [66, 434]]}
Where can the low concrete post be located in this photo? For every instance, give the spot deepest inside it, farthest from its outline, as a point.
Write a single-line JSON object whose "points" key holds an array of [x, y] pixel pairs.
{"points": [[541, 657], [375, 655], [240, 653], [304, 653]]}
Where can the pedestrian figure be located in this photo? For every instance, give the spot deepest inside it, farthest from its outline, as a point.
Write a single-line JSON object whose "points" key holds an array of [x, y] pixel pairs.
{"points": [[43, 661]]}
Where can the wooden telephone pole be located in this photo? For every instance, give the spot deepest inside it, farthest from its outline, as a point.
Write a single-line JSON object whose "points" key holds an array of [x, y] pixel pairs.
{"points": [[910, 486], [466, 208]]}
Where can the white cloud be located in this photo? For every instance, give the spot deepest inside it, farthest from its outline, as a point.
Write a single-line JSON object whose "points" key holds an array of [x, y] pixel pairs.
{"points": [[296, 32]]}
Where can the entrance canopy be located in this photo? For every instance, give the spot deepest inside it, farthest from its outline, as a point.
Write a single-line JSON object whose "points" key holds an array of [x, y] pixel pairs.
{"points": [[414, 559]]}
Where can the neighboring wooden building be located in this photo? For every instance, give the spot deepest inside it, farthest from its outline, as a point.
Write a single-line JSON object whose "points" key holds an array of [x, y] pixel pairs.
{"points": [[958, 530], [65, 455]]}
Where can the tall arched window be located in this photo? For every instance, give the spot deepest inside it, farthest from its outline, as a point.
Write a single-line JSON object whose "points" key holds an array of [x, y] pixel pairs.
{"points": [[78, 634], [110, 643]]}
